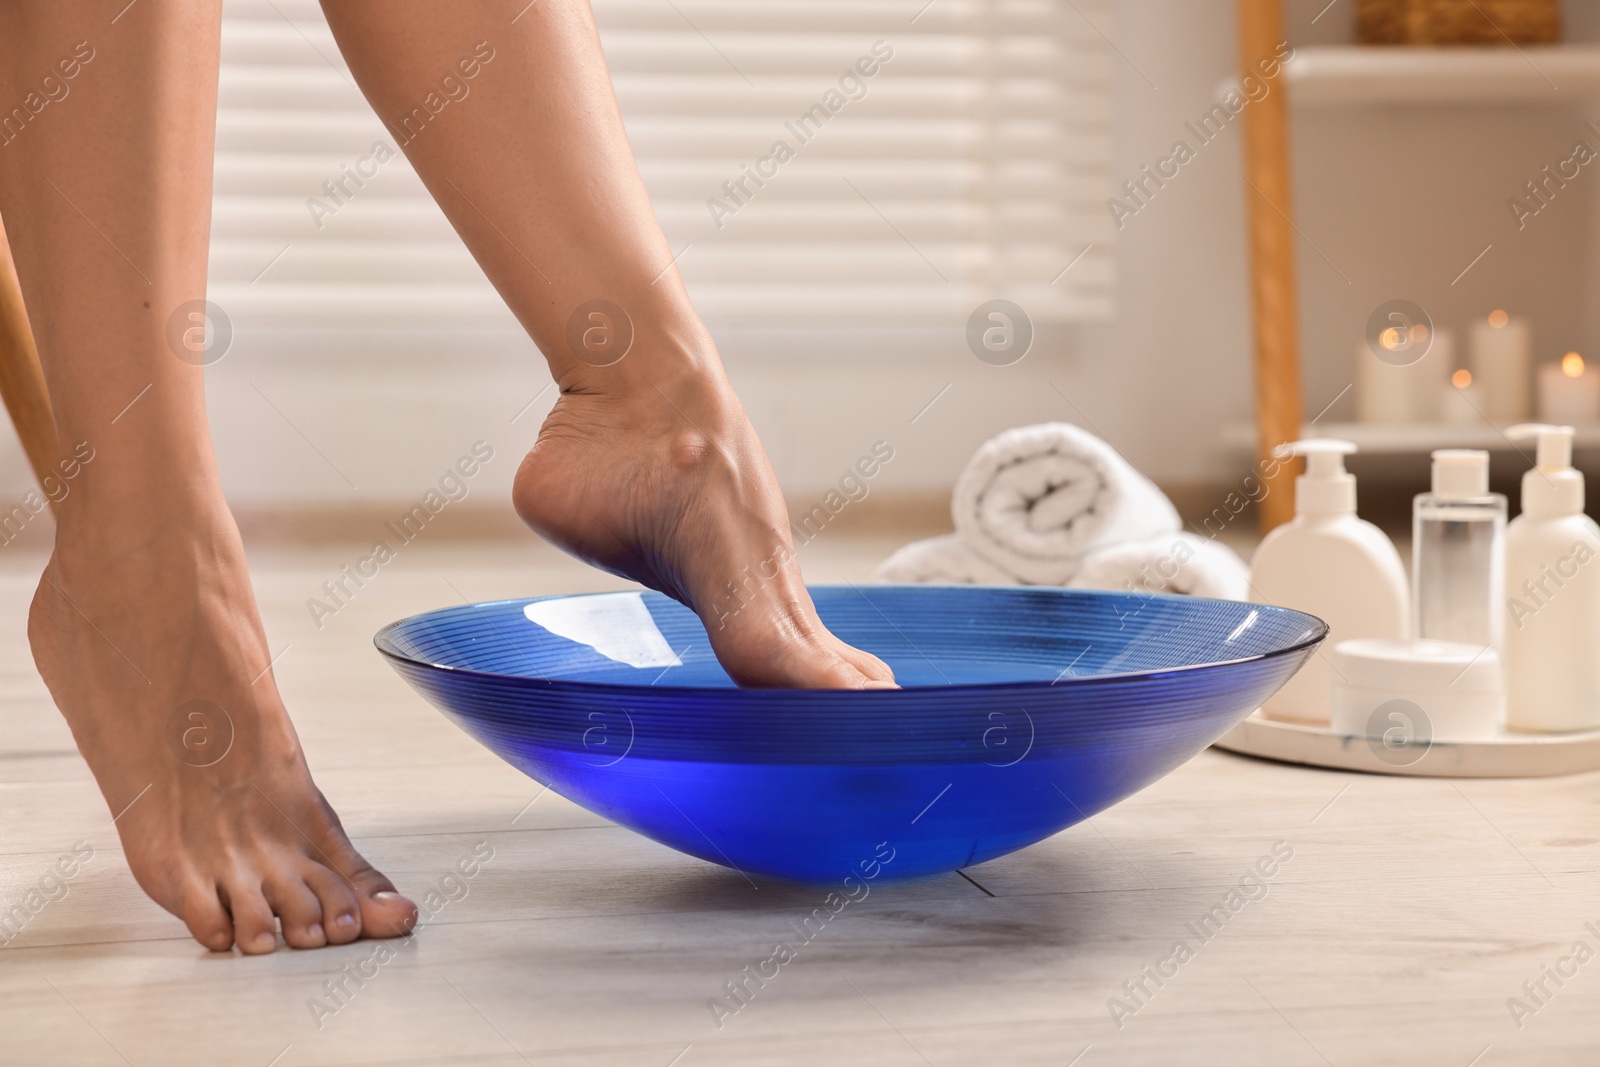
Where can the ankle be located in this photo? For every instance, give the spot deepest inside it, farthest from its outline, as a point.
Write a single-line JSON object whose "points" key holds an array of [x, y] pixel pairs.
{"points": [[112, 522], [661, 357]]}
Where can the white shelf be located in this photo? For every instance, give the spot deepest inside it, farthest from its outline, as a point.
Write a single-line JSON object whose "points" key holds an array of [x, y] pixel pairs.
{"points": [[1348, 74], [1405, 439]]}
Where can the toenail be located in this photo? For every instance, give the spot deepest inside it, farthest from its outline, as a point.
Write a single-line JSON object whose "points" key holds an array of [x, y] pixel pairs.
{"points": [[383, 896], [345, 920], [314, 931]]}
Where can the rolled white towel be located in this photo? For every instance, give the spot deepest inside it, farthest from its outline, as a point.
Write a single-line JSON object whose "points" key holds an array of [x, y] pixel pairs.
{"points": [[1174, 563], [942, 560], [1035, 499]]}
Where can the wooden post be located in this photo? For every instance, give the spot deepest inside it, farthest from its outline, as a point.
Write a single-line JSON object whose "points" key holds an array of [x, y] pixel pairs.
{"points": [[21, 378], [1274, 298]]}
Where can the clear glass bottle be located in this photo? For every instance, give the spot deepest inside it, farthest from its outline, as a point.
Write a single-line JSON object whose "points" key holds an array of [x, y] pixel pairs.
{"points": [[1458, 552]]}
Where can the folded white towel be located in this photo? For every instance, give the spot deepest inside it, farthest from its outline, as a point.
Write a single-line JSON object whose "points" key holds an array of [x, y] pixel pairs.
{"points": [[942, 560], [1174, 563], [1036, 498]]}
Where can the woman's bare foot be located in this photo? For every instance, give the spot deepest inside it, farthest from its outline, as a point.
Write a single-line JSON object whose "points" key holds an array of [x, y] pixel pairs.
{"points": [[647, 467], [665, 482], [147, 635]]}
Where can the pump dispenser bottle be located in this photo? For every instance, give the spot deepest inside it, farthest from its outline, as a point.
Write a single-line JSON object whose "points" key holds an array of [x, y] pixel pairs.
{"points": [[1328, 562], [1552, 606], [1458, 552]]}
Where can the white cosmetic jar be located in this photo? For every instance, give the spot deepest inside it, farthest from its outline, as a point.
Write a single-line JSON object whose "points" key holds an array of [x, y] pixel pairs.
{"points": [[1434, 690]]}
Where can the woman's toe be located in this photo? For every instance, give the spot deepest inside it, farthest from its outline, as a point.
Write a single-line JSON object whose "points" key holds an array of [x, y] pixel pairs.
{"points": [[341, 914], [826, 668], [298, 909], [202, 912], [254, 926], [387, 914], [873, 668], [384, 912]]}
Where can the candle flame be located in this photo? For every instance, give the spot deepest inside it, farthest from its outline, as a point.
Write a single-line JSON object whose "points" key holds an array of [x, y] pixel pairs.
{"points": [[1498, 319], [1572, 365], [1461, 378]]}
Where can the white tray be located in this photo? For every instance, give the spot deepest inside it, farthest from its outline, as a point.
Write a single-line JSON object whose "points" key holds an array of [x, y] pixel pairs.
{"points": [[1506, 756]]}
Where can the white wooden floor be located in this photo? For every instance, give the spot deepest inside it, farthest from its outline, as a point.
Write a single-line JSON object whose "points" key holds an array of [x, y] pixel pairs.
{"points": [[1409, 913]]}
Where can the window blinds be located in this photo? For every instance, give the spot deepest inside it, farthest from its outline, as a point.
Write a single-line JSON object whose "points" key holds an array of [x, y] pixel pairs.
{"points": [[886, 161]]}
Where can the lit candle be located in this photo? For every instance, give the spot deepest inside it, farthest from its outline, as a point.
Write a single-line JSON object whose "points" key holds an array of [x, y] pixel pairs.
{"points": [[1390, 390], [1461, 400], [1569, 392], [1502, 358]]}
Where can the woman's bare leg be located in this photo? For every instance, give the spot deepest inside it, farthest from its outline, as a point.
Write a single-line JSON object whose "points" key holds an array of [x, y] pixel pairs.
{"points": [[647, 467], [144, 618]]}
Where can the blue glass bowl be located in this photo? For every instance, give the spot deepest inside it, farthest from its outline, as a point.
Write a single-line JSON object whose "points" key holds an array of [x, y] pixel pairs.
{"points": [[1022, 712]]}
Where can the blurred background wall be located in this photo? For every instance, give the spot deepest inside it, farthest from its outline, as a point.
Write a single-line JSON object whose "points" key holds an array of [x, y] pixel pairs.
{"points": [[1391, 203]]}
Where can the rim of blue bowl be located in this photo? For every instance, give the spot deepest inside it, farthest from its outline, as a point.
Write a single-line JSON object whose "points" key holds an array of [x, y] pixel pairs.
{"points": [[1319, 632]]}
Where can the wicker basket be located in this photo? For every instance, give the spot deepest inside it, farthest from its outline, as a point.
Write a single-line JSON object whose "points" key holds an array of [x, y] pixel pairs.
{"points": [[1482, 22]]}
